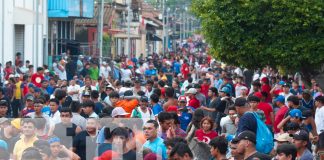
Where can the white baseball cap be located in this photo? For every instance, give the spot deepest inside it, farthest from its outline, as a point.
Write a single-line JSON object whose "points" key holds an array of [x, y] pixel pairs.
{"points": [[118, 111], [191, 91]]}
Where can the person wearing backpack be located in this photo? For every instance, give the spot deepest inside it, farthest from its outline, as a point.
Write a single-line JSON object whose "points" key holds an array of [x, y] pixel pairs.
{"points": [[246, 144], [250, 121], [143, 111]]}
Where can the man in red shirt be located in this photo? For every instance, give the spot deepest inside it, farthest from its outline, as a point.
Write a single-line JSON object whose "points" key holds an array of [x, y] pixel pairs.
{"points": [[280, 102], [37, 77], [193, 101], [185, 69], [266, 108]]}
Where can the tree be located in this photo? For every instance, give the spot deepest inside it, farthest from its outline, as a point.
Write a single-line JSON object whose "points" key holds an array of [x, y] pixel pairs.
{"points": [[280, 33]]}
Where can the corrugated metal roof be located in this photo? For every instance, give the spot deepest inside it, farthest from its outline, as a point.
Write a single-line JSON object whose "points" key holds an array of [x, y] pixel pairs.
{"points": [[108, 10]]}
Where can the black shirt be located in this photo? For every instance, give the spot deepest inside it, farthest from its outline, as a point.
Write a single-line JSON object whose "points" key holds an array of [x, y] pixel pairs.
{"points": [[85, 145], [258, 156], [131, 155]]}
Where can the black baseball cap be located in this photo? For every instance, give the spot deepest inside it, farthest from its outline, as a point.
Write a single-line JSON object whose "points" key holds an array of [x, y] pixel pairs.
{"points": [[144, 99], [128, 93], [301, 135], [3, 103], [247, 135]]}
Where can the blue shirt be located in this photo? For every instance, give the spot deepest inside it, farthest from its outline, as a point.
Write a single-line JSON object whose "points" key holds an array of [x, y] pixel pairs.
{"points": [[50, 90], [247, 122], [185, 119], [46, 110], [157, 146], [157, 109], [176, 67], [150, 72]]}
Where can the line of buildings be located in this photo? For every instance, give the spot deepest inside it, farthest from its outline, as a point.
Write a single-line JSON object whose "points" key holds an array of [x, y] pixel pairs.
{"points": [[43, 29]]}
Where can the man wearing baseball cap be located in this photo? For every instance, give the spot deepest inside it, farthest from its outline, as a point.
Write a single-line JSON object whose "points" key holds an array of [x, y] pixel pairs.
{"points": [[283, 109], [143, 111], [193, 101], [246, 141], [301, 140], [247, 120]]}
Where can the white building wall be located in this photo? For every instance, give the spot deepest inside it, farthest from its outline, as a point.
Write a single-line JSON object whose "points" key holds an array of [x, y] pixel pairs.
{"points": [[22, 12]]}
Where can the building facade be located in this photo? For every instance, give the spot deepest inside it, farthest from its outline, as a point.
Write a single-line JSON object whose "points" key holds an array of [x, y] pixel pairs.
{"points": [[23, 29]]}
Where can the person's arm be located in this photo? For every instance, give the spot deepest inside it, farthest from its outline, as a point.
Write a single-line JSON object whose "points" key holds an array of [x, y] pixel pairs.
{"points": [[208, 109], [314, 128], [78, 130], [283, 122], [71, 154], [272, 119]]}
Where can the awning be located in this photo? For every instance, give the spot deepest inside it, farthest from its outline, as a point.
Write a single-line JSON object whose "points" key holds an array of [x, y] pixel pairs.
{"points": [[125, 35]]}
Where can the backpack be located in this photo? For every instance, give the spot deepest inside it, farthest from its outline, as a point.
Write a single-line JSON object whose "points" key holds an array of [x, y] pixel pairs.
{"points": [[137, 114], [264, 137]]}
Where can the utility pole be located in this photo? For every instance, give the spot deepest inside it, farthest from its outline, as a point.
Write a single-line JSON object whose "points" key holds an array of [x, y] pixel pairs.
{"points": [[163, 34], [37, 29], [167, 29], [100, 29], [128, 29]]}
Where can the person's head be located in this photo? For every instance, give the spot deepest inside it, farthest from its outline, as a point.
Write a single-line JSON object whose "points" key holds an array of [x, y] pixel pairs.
{"points": [[3, 108], [175, 83], [207, 124], [171, 142], [66, 115], [256, 85], [253, 101], [181, 151], [144, 102], [29, 100], [40, 70], [165, 120], [225, 91], [119, 112], [154, 98], [28, 127], [45, 151], [150, 129], [38, 105], [54, 104], [75, 106], [31, 153], [286, 152], [212, 92], [87, 81], [114, 97], [286, 88], [283, 139], [182, 101], [301, 139], [218, 146], [241, 106], [149, 84], [89, 107], [60, 94], [169, 92], [55, 146], [246, 140], [234, 151], [94, 95], [293, 101], [280, 100], [295, 116], [197, 87], [191, 92], [232, 113], [319, 101], [91, 125], [119, 136]]}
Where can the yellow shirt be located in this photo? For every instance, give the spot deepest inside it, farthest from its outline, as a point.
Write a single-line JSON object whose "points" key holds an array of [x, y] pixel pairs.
{"points": [[18, 90], [21, 145]]}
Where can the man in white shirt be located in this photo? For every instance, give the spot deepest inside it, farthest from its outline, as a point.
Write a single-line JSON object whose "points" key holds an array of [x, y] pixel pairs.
{"points": [[126, 73], [286, 92], [143, 111], [104, 70], [55, 116], [319, 114], [73, 90]]}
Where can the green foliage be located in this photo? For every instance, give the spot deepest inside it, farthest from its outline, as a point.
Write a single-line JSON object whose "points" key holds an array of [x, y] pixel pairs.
{"points": [[256, 33]]}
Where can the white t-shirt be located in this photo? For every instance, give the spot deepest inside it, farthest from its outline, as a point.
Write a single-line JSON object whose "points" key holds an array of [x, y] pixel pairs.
{"points": [[319, 119], [148, 115], [125, 74], [104, 71], [75, 88]]}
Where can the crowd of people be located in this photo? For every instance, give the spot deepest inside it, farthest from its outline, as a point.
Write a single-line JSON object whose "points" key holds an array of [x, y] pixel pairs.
{"points": [[177, 107]]}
